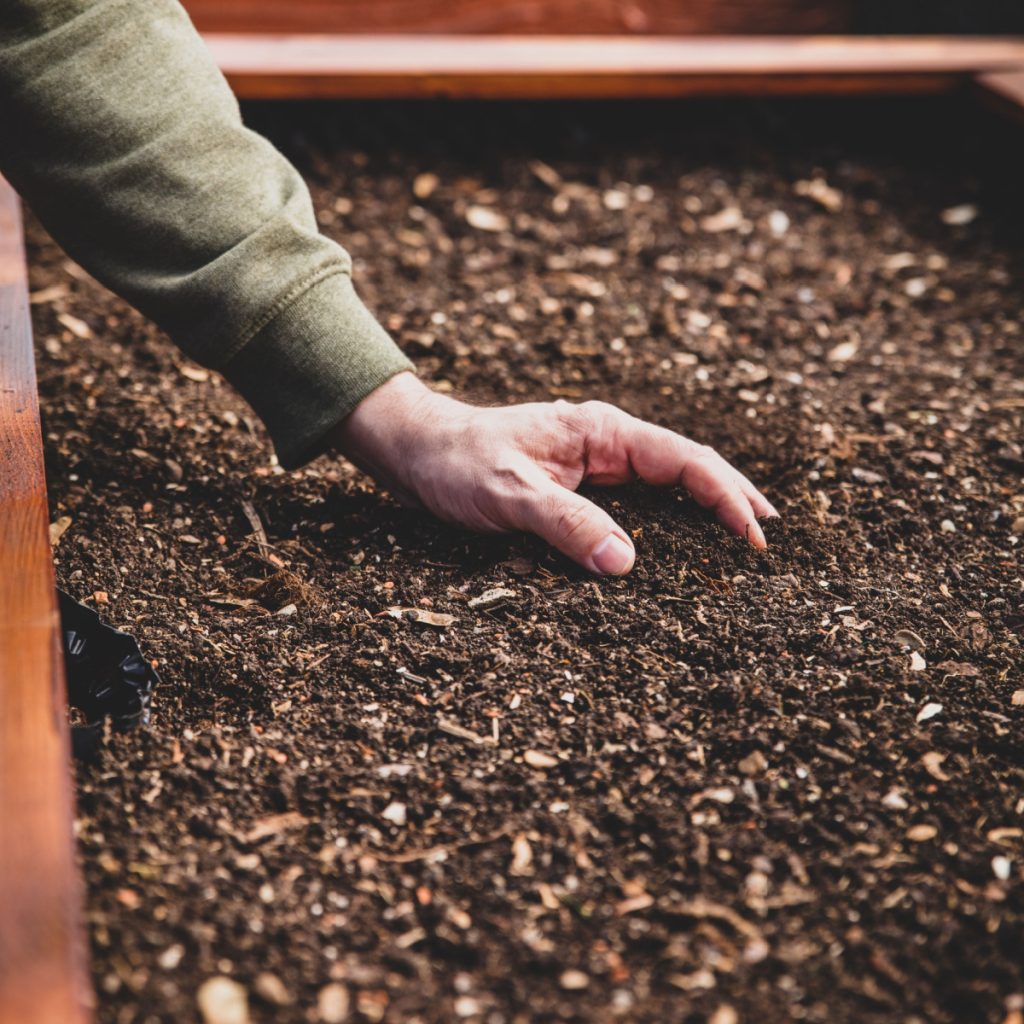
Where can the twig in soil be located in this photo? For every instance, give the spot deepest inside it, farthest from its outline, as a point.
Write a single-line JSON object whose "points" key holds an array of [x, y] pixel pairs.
{"points": [[257, 526], [410, 856]]}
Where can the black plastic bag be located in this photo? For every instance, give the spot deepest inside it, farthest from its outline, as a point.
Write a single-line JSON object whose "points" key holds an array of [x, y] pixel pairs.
{"points": [[108, 678]]}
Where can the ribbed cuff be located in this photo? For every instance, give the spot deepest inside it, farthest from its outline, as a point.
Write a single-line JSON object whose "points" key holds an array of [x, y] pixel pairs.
{"points": [[312, 365]]}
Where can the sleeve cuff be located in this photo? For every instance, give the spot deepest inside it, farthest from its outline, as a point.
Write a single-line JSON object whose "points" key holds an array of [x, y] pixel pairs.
{"points": [[307, 369]]}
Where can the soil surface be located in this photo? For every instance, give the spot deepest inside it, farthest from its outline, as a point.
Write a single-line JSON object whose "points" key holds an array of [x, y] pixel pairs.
{"points": [[730, 787]]}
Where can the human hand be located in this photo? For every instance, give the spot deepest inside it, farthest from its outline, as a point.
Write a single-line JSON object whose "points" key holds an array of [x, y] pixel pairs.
{"points": [[517, 467]]}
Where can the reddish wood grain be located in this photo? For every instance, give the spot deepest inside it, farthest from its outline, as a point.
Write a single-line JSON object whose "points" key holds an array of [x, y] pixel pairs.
{"points": [[543, 17], [1004, 90], [42, 963], [267, 66]]}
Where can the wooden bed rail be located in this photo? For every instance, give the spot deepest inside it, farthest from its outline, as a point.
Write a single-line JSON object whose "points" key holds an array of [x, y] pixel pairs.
{"points": [[277, 66], [42, 957]]}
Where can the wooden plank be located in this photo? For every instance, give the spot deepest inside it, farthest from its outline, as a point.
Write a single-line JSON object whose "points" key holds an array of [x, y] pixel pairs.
{"points": [[1004, 90], [42, 961], [522, 17], [266, 66]]}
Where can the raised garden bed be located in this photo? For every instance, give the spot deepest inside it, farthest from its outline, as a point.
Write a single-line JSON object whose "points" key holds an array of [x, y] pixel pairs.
{"points": [[727, 787]]}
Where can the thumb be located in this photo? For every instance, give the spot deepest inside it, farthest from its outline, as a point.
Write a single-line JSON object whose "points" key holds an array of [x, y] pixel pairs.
{"points": [[579, 529]]}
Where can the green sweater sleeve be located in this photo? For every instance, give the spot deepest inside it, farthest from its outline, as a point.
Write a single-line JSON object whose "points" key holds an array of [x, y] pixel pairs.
{"points": [[124, 138]]}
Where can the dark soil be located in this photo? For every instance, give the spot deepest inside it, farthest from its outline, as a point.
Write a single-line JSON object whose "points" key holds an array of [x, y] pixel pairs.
{"points": [[729, 787]]}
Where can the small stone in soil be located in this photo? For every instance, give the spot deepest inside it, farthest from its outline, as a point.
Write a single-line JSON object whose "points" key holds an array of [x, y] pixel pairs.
{"points": [[223, 1001], [333, 1003]]}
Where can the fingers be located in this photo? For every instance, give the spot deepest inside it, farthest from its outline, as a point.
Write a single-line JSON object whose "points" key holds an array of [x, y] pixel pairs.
{"points": [[578, 528], [662, 457]]}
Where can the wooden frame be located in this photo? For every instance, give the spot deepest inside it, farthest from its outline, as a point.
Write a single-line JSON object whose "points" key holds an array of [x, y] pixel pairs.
{"points": [[43, 977], [265, 66]]}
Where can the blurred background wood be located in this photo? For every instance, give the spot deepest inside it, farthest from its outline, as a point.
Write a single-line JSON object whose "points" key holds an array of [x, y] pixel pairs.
{"points": [[547, 17], [525, 67], [42, 956]]}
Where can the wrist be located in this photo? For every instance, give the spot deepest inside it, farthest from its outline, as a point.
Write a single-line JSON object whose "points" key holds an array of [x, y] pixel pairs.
{"points": [[380, 434]]}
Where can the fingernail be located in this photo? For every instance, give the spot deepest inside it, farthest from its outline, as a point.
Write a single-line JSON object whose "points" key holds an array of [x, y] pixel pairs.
{"points": [[756, 536], [613, 556]]}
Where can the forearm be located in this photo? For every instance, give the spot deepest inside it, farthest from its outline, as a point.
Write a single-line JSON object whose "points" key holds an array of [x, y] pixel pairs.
{"points": [[126, 141]]}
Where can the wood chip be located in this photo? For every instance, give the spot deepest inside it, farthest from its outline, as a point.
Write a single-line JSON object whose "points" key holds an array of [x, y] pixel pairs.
{"points": [[427, 618], [539, 760], [79, 328], [58, 528], [819, 191], [573, 980], [483, 218], [728, 219], [446, 725], [522, 857], [273, 824]]}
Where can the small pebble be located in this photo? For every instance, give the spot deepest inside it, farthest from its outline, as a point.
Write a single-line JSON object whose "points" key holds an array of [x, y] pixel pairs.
{"points": [[573, 980], [223, 1001], [271, 989], [959, 215], [332, 1004], [395, 812]]}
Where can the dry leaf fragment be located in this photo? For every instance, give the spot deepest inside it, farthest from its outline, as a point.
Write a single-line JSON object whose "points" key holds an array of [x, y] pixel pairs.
{"points": [[58, 528], [908, 638], [921, 833], [421, 615], [483, 218], [491, 597], [539, 760]]}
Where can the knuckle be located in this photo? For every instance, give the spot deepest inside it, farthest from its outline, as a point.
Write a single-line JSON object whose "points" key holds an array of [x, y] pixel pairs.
{"points": [[570, 521]]}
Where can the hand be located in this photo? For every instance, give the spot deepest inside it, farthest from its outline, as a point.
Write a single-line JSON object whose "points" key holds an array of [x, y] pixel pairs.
{"points": [[518, 467]]}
